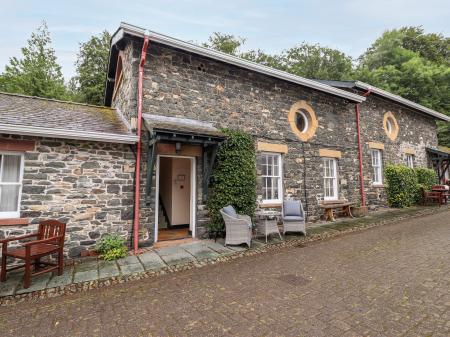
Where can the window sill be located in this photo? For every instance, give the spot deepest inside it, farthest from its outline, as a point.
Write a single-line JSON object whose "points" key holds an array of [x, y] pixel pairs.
{"points": [[14, 222], [270, 204], [378, 185]]}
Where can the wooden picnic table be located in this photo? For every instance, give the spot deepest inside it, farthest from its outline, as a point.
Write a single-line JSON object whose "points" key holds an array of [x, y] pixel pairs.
{"points": [[331, 206], [443, 190]]}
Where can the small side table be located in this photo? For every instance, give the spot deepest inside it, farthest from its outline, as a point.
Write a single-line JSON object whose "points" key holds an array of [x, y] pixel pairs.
{"points": [[268, 223]]}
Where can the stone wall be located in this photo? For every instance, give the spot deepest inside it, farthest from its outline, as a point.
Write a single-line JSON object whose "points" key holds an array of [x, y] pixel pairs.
{"points": [[181, 84], [88, 185], [416, 132]]}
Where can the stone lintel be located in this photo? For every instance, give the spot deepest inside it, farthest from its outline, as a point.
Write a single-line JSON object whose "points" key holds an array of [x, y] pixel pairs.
{"points": [[16, 145], [409, 151], [272, 147], [374, 145], [330, 153]]}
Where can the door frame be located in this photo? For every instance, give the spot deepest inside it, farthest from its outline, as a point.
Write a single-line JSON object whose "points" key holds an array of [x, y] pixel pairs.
{"points": [[193, 193]]}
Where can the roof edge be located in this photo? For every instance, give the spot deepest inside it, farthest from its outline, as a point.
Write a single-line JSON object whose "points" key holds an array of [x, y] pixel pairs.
{"points": [[229, 59], [404, 101], [56, 100], [68, 134]]}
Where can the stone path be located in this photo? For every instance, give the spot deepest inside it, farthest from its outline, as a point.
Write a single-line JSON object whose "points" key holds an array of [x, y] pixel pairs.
{"points": [[98, 269], [392, 280]]}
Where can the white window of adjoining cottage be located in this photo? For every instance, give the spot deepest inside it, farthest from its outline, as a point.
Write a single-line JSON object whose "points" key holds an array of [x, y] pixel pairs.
{"points": [[11, 173], [377, 166], [410, 160], [271, 172], [330, 179]]}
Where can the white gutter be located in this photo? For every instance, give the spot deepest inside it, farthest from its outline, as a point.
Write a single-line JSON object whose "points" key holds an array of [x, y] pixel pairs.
{"points": [[402, 100], [219, 56], [67, 134]]}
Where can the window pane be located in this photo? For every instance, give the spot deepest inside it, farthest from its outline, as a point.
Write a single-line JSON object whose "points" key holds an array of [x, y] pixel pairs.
{"points": [[11, 169], [9, 197]]}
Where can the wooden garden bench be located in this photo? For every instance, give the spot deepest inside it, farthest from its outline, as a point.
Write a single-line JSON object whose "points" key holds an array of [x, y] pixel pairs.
{"points": [[339, 206], [49, 241]]}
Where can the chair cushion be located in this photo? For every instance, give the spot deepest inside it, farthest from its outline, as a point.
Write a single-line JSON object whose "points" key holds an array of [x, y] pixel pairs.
{"points": [[291, 207], [229, 210], [293, 218]]}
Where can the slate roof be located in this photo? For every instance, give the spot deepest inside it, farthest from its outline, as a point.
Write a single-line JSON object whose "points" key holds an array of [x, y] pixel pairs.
{"points": [[34, 113], [183, 125]]}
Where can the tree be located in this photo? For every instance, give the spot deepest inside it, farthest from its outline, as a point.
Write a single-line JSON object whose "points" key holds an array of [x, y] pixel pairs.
{"points": [[37, 73], [225, 43], [412, 64], [88, 85], [317, 62]]}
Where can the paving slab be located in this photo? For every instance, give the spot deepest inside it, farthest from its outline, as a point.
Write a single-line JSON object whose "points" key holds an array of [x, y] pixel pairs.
{"points": [[132, 268], [219, 248], [174, 255], [87, 271], [37, 283], [108, 269], [151, 261], [12, 282], [128, 260], [200, 250], [65, 279], [238, 248]]}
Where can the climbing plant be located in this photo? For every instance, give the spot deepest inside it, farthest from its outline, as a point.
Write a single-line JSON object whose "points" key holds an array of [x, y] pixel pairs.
{"points": [[233, 180]]}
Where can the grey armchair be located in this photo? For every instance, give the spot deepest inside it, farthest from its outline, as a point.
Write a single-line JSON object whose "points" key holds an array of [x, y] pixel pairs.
{"points": [[293, 217], [238, 228]]}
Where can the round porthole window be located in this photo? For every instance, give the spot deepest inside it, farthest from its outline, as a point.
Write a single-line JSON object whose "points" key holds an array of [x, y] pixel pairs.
{"points": [[303, 120], [390, 125]]}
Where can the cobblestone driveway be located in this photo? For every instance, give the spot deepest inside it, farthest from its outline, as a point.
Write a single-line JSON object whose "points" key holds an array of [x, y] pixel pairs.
{"points": [[388, 281]]}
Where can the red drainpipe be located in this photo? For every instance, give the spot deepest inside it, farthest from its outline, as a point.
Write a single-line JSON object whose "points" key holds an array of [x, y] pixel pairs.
{"points": [[361, 172], [137, 197]]}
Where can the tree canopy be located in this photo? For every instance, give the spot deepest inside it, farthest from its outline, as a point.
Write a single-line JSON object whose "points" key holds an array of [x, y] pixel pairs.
{"points": [[37, 72], [405, 61], [91, 66]]}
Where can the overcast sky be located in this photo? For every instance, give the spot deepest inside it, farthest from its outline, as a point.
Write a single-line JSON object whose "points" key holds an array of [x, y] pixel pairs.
{"points": [[348, 25]]}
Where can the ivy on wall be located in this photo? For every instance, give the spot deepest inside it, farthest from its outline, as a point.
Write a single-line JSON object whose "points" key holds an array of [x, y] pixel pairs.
{"points": [[233, 180]]}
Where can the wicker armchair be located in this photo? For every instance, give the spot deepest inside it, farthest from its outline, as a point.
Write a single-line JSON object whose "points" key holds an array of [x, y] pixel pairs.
{"points": [[293, 217], [238, 228]]}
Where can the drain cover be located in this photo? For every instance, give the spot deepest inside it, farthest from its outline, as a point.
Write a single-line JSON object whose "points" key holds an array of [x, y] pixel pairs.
{"points": [[294, 280]]}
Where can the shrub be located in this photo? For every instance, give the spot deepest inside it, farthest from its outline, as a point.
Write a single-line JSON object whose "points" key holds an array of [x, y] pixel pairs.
{"points": [[401, 185], [233, 180], [112, 247], [426, 177]]}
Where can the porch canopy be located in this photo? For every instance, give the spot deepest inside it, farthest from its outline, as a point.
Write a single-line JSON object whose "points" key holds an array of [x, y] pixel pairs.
{"points": [[178, 131], [440, 158]]}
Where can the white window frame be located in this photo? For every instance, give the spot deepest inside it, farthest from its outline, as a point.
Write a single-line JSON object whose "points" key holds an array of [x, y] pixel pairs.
{"points": [[409, 160], [334, 179], [14, 214], [279, 176], [377, 167], [305, 118]]}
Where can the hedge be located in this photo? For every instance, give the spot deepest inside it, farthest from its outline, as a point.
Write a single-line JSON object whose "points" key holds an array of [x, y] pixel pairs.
{"points": [[403, 184], [233, 180]]}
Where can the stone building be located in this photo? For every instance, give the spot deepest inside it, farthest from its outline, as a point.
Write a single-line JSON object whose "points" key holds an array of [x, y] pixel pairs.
{"points": [[81, 164]]}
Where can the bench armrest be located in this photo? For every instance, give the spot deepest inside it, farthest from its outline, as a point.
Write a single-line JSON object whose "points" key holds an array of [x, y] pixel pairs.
{"points": [[53, 239], [18, 238]]}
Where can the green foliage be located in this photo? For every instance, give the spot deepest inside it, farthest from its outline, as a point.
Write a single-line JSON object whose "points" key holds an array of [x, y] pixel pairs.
{"points": [[226, 43], [426, 177], [112, 247], [412, 64], [88, 86], [307, 60], [318, 62], [233, 180], [404, 184], [401, 185], [37, 73]]}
